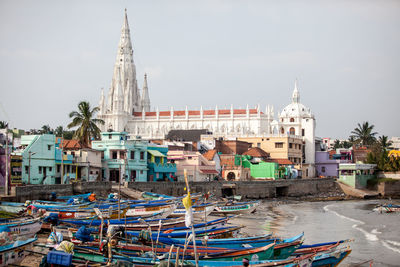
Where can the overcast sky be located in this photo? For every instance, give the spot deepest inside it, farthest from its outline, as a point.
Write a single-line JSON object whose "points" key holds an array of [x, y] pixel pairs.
{"points": [[345, 55]]}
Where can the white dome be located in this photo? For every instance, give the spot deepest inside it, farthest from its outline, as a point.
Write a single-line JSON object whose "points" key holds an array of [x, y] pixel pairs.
{"points": [[296, 110]]}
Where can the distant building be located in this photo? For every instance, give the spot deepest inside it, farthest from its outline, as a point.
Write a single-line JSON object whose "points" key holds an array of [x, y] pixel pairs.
{"points": [[122, 157], [125, 109], [329, 167], [356, 175], [197, 166], [395, 142], [159, 169]]}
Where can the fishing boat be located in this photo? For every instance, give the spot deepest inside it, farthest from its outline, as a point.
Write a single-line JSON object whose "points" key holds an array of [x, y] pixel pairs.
{"points": [[23, 226], [15, 252], [236, 208], [388, 208], [331, 259], [198, 211], [165, 210]]}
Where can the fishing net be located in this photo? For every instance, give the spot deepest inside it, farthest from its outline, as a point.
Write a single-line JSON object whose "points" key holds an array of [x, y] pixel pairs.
{"points": [[66, 246]]}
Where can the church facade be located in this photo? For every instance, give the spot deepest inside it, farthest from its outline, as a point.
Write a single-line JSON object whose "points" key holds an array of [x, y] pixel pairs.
{"points": [[127, 108]]}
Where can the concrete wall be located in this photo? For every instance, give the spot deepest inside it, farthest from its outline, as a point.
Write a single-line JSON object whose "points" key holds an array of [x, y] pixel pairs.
{"points": [[33, 192], [248, 189], [393, 175], [389, 188]]}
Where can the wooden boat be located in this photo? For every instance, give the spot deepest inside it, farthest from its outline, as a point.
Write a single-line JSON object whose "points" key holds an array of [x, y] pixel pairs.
{"points": [[331, 259], [165, 210], [200, 211], [388, 208], [236, 208], [12, 209], [319, 247], [262, 253], [13, 253], [23, 226]]}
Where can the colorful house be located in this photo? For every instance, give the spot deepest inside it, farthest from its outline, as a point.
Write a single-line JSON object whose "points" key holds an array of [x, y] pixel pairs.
{"points": [[356, 174], [159, 169], [41, 161], [122, 157]]}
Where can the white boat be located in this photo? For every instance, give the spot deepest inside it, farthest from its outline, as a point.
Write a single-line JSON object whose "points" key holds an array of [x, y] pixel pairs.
{"points": [[146, 211], [237, 208], [15, 252], [198, 211]]}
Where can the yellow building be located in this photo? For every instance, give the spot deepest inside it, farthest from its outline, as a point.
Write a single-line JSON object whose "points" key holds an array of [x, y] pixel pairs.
{"points": [[279, 147]]}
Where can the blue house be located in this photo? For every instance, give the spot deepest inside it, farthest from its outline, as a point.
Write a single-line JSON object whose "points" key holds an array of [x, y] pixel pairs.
{"points": [[122, 157], [159, 168]]}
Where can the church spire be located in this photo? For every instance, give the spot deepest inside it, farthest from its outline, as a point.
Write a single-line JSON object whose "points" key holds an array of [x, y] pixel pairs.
{"points": [[119, 94], [102, 108], [296, 94], [145, 95]]}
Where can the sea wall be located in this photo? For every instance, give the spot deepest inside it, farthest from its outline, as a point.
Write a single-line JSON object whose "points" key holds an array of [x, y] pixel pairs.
{"points": [[389, 188], [393, 175], [247, 189], [32, 192]]}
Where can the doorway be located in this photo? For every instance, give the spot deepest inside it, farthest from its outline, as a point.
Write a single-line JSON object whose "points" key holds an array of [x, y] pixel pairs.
{"points": [[114, 176]]}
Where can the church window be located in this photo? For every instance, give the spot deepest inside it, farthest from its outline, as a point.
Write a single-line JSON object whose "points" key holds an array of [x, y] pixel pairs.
{"points": [[282, 130], [290, 145], [302, 132], [292, 131], [109, 136], [291, 119], [282, 120], [279, 145]]}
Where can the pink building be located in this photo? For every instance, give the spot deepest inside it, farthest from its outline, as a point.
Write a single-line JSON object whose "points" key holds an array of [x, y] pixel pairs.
{"points": [[197, 166]]}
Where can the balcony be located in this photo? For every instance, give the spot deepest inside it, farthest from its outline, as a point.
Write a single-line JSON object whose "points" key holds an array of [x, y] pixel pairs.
{"points": [[166, 167]]}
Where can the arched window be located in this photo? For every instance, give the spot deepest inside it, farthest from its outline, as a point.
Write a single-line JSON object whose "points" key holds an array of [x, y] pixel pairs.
{"points": [[291, 119], [292, 131], [282, 130]]}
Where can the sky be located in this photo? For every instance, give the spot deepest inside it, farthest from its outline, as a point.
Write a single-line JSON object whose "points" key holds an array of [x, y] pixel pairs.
{"points": [[344, 54]]}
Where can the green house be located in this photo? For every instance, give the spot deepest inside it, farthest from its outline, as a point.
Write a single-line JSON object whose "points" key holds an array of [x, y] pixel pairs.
{"points": [[356, 174]]}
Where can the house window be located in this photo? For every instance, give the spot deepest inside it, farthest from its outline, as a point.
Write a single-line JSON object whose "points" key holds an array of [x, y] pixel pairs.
{"points": [[122, 154], [142, 155], [292, 131], [279, 145], [58, 168], [110, 136], [50, 169], [322, 169], [102, 155], [290, 145], [302, 132], [48, 147], [258, 145], [26, 169], [141, 172], [114, 154], [133, 174], [189, 157], [40, 169], [132, 154]]}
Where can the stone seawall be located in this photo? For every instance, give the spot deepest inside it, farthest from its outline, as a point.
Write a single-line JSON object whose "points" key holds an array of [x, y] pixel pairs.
{"points": [[247, 189], [43, 192], [389, 188]]}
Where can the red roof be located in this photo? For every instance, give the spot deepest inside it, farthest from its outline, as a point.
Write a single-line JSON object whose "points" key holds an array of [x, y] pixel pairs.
{"points": [[282, 161], [209, 155], [209, 171], [70, 144], [210, 112], [256, 152]]}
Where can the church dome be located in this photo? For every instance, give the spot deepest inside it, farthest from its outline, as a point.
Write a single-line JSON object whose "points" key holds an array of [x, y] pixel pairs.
{"points": [[296, 109]]}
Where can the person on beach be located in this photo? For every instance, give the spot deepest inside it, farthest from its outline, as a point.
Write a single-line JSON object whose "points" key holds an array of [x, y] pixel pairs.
{"points": [[245, 262]]}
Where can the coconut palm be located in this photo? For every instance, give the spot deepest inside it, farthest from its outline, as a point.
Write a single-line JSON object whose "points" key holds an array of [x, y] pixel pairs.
{"points": [[364, 134], [59, 131], [83, 119], [384, 142], [3, 124]]}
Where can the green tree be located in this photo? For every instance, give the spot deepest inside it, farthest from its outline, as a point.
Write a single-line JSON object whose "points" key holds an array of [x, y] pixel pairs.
{"points": [[3, 124], [384, 143], [336, 144], [45, 129], [84, 120], [364, 134]]}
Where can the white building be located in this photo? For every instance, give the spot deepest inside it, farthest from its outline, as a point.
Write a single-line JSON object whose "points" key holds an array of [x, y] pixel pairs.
{"points": [[125, 110]]}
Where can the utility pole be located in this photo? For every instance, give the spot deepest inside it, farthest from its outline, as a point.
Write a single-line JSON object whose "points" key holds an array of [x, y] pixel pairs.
{"points": [[6, 178], [62, 158]]}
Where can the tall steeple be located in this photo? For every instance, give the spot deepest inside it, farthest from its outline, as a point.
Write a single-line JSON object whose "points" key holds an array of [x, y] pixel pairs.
{"points": [[296, 94], [118, 103], [124, 61], [102, 106], [145, 95]]}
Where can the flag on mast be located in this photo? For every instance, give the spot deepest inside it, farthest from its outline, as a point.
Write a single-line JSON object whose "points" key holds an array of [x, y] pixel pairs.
{"points": [[187, 202]]}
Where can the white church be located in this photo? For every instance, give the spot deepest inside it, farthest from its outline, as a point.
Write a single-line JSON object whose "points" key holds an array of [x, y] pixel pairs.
{"points": [[128, 109]]}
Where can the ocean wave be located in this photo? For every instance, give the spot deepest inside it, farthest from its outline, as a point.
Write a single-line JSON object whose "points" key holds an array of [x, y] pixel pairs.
{"points": [[369, 236], [385, 244], [375, 231], [393, 242]]}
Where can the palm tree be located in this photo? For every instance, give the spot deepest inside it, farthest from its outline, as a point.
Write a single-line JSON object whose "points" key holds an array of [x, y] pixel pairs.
{"points": [[384, 143], [364, 134], [83, 119], [336, 144], [3, 124], [45, 129], [59, 131]]}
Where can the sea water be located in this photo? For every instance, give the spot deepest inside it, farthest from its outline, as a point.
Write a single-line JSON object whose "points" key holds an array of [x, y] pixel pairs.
{"points": [[376, 236]]}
